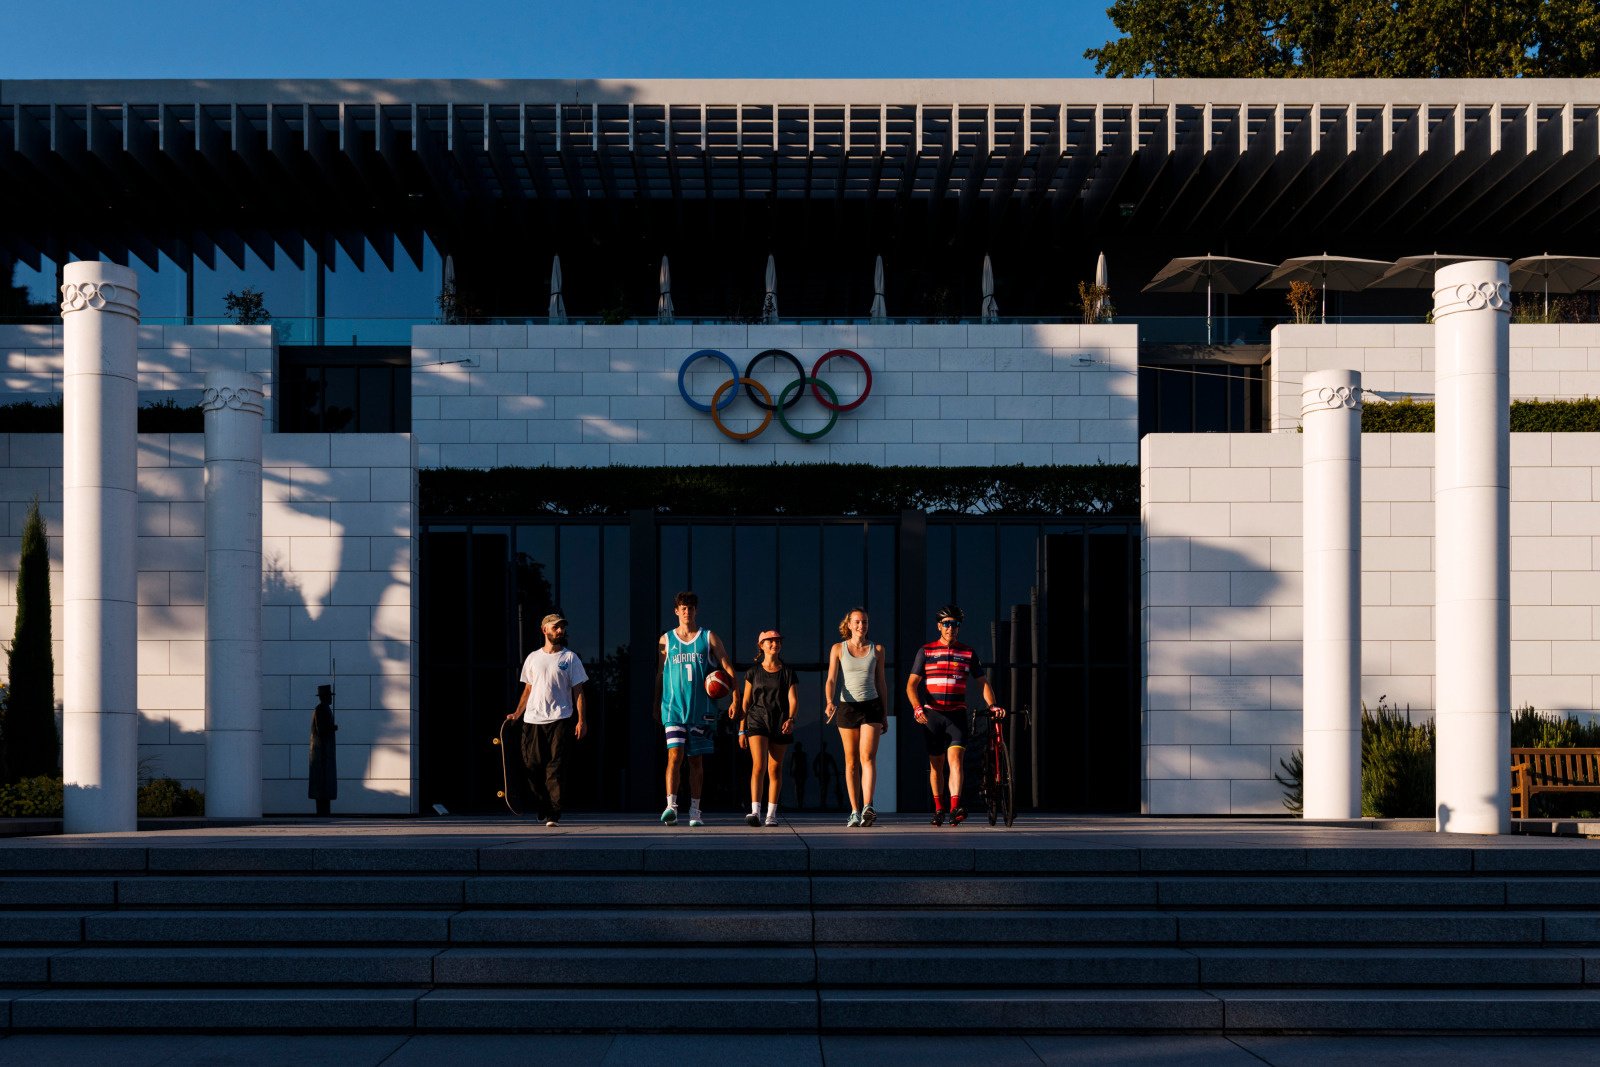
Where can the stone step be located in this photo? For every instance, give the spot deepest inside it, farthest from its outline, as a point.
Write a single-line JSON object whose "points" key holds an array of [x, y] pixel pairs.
{"points": [[255, 926], [975, 926], [263, 966], [1391, 966], [1018, 1009], [286, 1010], [899, 966], [1402, 1010], [633, 925], [1047, 966], [832, 1010], [829, 966], [704, 966], [1361, 927]]}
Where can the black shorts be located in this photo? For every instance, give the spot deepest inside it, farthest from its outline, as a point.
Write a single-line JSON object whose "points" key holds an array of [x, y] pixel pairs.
{"points": [[946, 728], [760, 723], [855, 715]]}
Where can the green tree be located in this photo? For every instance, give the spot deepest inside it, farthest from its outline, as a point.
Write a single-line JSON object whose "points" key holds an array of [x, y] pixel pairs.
{"points": [[32, 746], [1351, 39]]}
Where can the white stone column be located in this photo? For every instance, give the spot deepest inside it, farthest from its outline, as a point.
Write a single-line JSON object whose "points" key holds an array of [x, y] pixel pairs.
{"points": [[1330, 414], [234, 402], [100, 492], [1472, 553]]}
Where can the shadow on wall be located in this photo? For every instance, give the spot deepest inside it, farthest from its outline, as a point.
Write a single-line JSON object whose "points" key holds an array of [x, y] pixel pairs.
{"points": [[337, 610], [1223, 664]]}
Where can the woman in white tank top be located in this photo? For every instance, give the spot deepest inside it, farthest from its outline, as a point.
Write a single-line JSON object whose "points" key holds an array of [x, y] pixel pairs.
{"points": [[855, 677]]}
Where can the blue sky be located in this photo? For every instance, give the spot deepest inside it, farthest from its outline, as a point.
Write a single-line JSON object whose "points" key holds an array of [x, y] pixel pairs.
{"points": [[539, 38]]}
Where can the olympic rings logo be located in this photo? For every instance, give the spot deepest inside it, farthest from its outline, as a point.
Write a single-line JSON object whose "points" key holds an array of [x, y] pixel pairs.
{"points": [[788, 397]]}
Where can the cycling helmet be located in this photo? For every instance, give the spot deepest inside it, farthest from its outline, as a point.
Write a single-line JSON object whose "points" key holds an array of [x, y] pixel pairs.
{"points": [[950, 611]]}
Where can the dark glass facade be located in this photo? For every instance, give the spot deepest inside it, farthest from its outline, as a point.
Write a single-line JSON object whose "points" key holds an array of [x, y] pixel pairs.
{"points": [[485, 586]]}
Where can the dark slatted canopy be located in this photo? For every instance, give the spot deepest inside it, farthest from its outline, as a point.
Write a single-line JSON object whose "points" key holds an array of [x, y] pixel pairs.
{"points": [[202, 167]]}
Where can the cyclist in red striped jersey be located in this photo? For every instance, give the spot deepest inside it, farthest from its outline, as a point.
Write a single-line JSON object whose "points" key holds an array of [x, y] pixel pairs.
{"points": [[944, 668]]}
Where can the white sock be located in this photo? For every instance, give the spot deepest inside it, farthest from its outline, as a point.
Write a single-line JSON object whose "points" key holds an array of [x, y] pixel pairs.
{"points": [[694, 805], [755, 807], [772, 811], [672, 801]]}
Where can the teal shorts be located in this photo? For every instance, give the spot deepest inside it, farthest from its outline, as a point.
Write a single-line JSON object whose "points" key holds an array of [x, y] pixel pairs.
{"points": [[699, 738]]}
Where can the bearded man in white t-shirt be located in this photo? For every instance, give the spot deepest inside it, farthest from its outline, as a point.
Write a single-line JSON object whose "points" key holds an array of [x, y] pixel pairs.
{"points": [[551, 710]]}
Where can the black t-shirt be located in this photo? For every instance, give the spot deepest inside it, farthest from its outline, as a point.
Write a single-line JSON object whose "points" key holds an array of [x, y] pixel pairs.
{"points": [[769, 693]]}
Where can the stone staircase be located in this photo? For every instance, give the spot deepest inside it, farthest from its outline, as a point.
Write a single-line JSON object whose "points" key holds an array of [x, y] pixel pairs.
{"points": [[503, 928]]}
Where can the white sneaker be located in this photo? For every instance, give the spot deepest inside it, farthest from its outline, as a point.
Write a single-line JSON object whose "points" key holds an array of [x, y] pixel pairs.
{"points": [[669, 817], [772, 818], [695, 819]]}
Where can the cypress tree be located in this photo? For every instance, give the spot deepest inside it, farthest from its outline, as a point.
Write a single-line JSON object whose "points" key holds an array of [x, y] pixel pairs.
{"points": [[31, 744]]}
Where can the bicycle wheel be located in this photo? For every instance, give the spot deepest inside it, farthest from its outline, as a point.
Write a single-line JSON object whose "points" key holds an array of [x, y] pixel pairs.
{"points": [[1007, 794]]}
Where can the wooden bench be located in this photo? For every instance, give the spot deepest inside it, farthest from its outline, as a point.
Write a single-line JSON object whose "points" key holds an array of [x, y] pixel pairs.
{"points": [[1551, 770]]}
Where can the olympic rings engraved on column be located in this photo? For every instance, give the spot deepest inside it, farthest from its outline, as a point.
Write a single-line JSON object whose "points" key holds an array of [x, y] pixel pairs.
{"points": [[683, 391], [774, 353], [751, 386], [790, 395]]}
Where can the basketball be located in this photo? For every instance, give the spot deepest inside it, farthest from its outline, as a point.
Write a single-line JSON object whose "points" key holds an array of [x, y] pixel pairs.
{"points": [[718, 685]]}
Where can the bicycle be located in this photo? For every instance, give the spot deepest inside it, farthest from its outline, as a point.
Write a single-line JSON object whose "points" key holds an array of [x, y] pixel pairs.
{"points": [[996, 786]]}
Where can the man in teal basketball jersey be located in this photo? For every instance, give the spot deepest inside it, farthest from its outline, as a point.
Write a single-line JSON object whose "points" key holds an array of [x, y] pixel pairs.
{"points": [[686, 655]]}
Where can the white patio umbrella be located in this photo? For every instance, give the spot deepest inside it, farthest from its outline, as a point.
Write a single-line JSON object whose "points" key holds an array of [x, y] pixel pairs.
{"points": [[991, 309], [664, 303], [880, 310], [558, 306], [1416, 272], [1224, 274], [1344, 274], [769, 303], [1558, 274]]}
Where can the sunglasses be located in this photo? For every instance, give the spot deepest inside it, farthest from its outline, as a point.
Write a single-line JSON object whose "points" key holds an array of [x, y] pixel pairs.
{"points": [[946, 624]]}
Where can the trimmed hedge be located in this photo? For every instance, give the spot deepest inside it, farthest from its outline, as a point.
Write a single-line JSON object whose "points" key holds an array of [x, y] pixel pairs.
{"points": [[162, 416], [782, 489], [1527, 416]]}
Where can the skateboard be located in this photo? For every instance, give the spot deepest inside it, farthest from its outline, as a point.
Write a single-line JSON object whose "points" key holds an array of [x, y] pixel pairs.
{"points": [[505, 765]]}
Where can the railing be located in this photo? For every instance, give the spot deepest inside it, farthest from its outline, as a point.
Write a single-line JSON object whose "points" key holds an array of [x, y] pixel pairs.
{"points": [[1153, 329]]}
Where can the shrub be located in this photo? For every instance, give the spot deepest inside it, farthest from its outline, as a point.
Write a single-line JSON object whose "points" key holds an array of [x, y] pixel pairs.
{"points": [[1530, 729], [1302, 301], [28, 726], [1292, 780], [1527, 416], [247, 306], [1397, 768], [165, 797], [782, 489], [161, 416], [37, 798]]}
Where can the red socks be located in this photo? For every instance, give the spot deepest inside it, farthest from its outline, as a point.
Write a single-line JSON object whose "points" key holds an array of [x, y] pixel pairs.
{"points": [[955, 801], [938, 803]]}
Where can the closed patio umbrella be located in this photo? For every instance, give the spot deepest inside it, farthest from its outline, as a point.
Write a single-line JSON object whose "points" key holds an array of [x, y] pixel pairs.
{"points": [[880, 310], [664, 303], [1554, 274], [1345, 274], [769, 303], [1223, 274], [991, 309], [1102, 279], [1416, 272], [558, 306]]}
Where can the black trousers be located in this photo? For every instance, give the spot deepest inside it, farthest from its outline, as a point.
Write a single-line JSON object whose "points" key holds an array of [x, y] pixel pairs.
{"points": [[542, 746]]}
